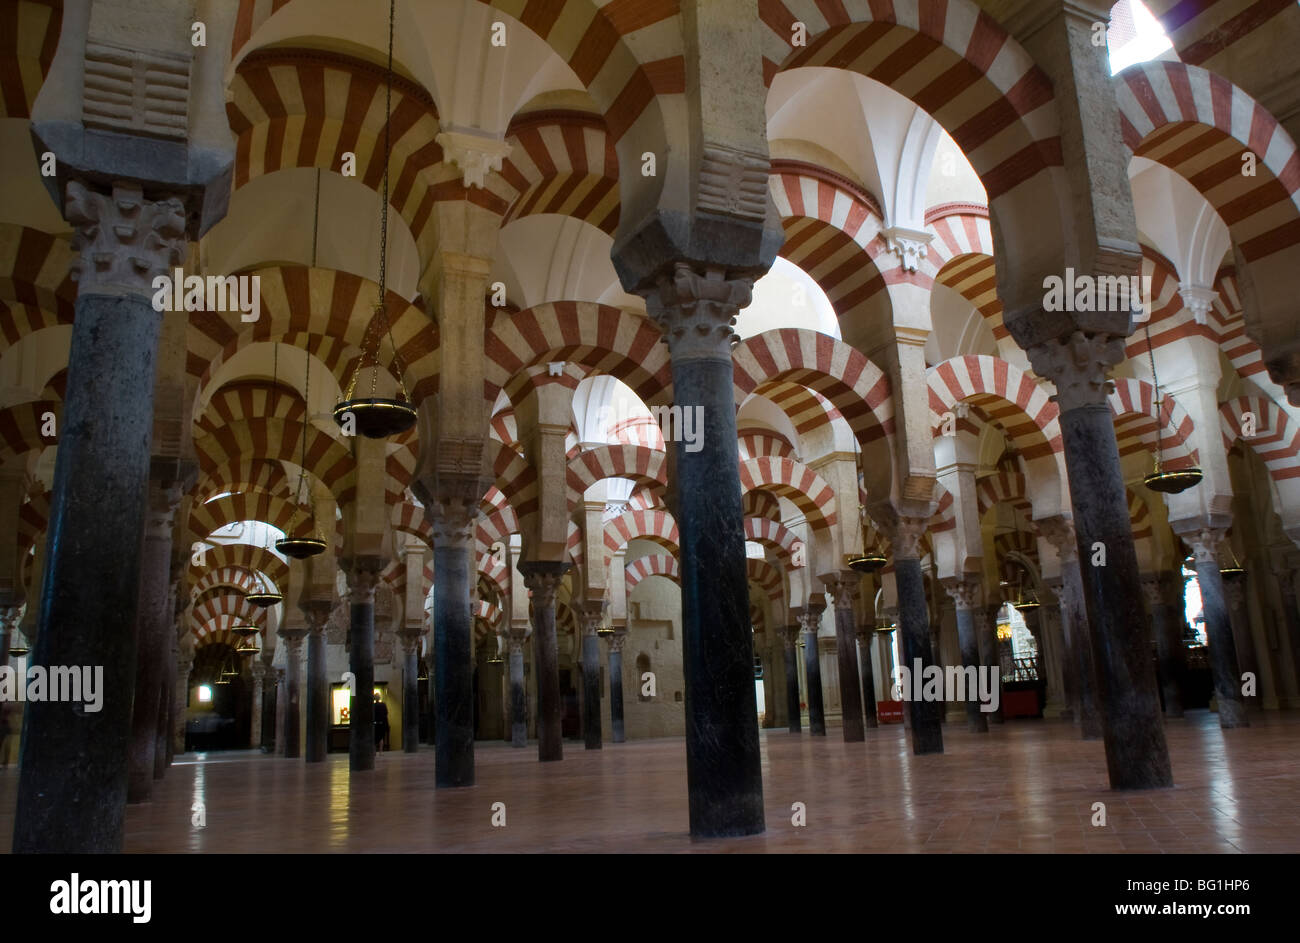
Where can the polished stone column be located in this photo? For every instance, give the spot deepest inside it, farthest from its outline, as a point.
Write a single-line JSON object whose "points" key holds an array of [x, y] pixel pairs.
{"points": [[181, 698], [292, 690], [1136, 754], [1288, 578], [616, 685], [843, 588], [986, 635], [72, 785], [543, 578], [1166, 626], [451, 520], [965, 594], [588, 623], [317, 612], [696, 308], [410, 691], [1060, 532], [153, 629], [518, 689], [1234, 590], [363, 576], [790, 636], [270, 687], [865, 635], [811, 619], [258, 672], [1222, 649], [1068, 667], [914, 618]]}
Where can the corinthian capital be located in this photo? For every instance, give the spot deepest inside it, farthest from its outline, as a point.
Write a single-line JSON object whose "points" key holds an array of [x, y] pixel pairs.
{"points": [[363, 574], [543, 578], [1059, 532], [965, 593], [905, 535], [1077, 364], [696, 311], [123, 241], [843, 587]]}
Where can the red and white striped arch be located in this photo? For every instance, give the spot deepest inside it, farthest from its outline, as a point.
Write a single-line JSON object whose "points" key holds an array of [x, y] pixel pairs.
{"points": [[652, 564], [240, 556], [654, 525], [205, 519], [644, 466], [330, 462], [1132, 405], [36, 286], [1005, 394], [757, 442], [408, 518], [1276, 438], [601, 338], [258, 474], [562, 163], [218, 614], [768, 578], [1229, 321], [20, 428], [795, 481], [961, 258], [773, 534]]}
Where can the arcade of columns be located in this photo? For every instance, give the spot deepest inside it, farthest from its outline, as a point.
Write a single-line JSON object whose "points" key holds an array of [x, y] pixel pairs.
{"points": [[596, 196]]}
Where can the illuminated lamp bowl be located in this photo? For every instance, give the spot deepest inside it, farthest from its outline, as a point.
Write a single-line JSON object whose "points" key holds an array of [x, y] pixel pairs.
{"points": [[1173, 482], [866, 563], [263, 599]]}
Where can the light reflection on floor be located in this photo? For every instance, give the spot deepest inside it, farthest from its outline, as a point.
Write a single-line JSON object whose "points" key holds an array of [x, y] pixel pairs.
{"points": [[1025, 786]]}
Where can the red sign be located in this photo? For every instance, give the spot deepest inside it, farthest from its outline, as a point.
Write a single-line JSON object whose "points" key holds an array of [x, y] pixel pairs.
{"points": [[889, 712]]}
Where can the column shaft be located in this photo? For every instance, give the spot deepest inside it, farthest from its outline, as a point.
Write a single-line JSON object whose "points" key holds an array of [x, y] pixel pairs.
{"points": [[616, 689], [292, 696], [318, 709], [153, 627], [453, 654], [543, 578], [976, 719], [1222, 648], [914, 619], [868, 679], [846, 639], [790, 636], [411, 695], [591, 691], [518, 696], [812, 667]]}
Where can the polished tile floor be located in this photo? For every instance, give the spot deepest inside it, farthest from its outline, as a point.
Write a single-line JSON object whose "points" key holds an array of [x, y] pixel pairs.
{"points": [[1027, 786]]}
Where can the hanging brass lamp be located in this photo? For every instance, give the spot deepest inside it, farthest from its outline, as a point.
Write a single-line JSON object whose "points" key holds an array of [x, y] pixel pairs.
{"points": [[300, 548], [377, 417], [18, 651], [246, 630], [1233, 570], [1161, 479]]}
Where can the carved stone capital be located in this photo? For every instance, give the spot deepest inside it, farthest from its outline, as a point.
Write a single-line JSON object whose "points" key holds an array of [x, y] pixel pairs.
{"points": [[589, 616], [790, 633], [363, 574], [617, 641], [123, 241], [811, 619], [843, 588], [474, 152], [1077, 365], [1059, 532], [1152, 590], [905, 535], [965, 592], [317, 613], [696, 311], [1197, 299], [293, 636], [543, 578], [910, 245], [1204, 542]]}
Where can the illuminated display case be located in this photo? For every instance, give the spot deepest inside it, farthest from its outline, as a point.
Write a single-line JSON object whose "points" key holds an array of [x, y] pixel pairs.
{"points": [[341, 702]]}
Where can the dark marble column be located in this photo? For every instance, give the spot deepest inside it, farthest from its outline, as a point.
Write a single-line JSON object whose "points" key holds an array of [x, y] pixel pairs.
{"points": [[270, 688], [153, 629], [1060, 532], [543, 578], [363, 576], [616, 642], [1069, 668], [1132, 728], [1166, 626], [986, 636], [257, 671], [811, 619], [163, 749], [1234, 590], [865, 634], [318, 687], [843, 588], [914, 619], [790, 636], [965, 595], [589, 622], [1222, 648], [518, 689], [696, 309], [181, 702], [451, 519], [410, 691], [1288, 577], [292, 690], [72, 783]]}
